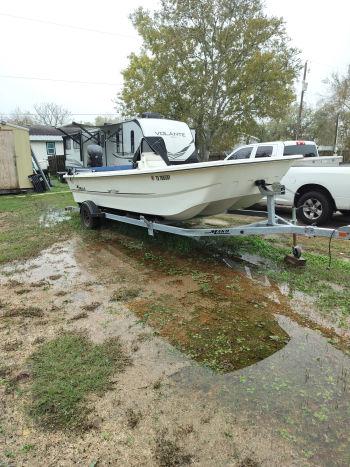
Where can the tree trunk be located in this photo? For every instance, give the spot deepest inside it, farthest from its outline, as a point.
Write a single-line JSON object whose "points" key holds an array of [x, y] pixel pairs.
{"points": [[204, 147], [205, 154]]}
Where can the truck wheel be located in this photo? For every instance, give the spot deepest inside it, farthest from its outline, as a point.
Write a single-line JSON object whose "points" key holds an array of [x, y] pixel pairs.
{"points": [[314, 207], [90, 215]]}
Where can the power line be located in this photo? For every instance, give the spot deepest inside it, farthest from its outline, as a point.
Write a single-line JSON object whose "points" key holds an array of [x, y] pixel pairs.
{"points": [[71, 26], [95, 83], [30, 114]]}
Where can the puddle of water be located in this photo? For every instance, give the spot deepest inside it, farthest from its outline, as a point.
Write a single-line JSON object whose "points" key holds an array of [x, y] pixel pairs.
{"points": [[56, 267], [302, 391], [53, 216], [305, 305]]}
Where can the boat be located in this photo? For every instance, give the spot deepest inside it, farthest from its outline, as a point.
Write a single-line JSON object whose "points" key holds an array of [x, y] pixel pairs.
{"points": [[172, 185]]}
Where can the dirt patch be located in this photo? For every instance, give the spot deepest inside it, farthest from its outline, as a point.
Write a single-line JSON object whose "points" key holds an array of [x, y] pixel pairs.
{"points": [[80, 315]]}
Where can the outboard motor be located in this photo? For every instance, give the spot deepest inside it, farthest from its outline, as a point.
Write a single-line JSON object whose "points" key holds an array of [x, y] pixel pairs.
{"points": [[95, 153]]}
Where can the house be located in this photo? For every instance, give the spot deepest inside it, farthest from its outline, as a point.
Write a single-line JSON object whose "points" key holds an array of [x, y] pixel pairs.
{"points": [[15, 159], [45, 141]]}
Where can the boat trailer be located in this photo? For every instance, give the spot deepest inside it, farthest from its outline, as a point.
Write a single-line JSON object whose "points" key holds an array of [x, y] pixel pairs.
{"points": [[273, 224]]}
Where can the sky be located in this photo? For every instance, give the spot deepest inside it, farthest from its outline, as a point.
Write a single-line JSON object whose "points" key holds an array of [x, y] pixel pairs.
{"points": [[95, 50]]}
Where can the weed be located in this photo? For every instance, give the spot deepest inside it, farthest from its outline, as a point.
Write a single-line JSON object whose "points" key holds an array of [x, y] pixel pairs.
{"points": [[133, 418], [65, 370], [169, 454], [249, 462], [55, 277], [22, 291], [91, 306], [205, 288], [11, 346], [41, 283], [13, 283], [25, 312], [157, 384], [124, 295], [4, 371], [61, 293], [27, 448]]}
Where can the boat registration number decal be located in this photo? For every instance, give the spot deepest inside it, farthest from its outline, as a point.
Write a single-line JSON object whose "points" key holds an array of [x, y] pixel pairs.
{"points": [[160, 177]]}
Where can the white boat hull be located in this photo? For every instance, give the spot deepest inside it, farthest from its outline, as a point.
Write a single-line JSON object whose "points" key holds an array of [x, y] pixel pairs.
{"points": [[180, 192]]}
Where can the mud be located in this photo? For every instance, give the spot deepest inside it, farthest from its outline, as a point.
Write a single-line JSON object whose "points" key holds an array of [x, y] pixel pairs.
{"points": [[290, 408]]}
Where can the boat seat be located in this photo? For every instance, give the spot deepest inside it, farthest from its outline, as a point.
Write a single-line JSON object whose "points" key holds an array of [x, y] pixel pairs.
{"points": [[109, 168], [150, 160]]}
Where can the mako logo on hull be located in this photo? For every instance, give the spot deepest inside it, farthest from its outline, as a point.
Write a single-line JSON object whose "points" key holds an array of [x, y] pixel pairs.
{"points": [[169, 133]]}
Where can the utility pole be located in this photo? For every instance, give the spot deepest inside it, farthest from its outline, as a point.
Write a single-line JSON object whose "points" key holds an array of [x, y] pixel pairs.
{"points": [[336, 133], [303, 90]]}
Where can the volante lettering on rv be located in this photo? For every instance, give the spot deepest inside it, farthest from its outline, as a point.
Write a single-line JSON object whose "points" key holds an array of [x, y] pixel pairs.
{"points": [[170, 133]]}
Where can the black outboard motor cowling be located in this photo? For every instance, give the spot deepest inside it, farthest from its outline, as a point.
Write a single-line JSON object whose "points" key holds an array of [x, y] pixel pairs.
{"points": [[95, 153]]}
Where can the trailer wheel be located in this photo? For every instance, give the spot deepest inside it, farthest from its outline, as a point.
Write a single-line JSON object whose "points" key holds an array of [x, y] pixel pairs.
{"points": [[90, 215], [314, 207]]}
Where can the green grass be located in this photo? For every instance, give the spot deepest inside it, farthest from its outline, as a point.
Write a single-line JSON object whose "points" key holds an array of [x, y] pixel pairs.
{"points": [[21, 235], [67, 369]]}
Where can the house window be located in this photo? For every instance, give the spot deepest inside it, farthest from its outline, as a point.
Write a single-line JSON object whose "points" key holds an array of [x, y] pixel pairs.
{"points": [[68, 144], [132, 140], [50, 148], [76, 145]]}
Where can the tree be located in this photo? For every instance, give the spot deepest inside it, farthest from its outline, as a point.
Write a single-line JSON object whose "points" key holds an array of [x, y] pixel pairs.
{"points": [[49, 113], [338, 103], [102, 119], [220, 65], [284, 128], [18, 117]]}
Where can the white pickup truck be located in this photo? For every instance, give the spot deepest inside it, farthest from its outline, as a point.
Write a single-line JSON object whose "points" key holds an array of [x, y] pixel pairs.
{"points": [[316, 185]]}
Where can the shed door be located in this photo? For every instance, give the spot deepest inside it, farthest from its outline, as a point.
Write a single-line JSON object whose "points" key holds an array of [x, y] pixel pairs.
{"points": [[8, 169]]}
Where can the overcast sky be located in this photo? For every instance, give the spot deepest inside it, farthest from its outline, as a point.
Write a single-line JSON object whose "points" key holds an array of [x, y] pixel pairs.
{"points": [[48, 51]]}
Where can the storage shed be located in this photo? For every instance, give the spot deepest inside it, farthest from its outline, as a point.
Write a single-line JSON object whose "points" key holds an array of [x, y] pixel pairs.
{"points": [[15, 158]]}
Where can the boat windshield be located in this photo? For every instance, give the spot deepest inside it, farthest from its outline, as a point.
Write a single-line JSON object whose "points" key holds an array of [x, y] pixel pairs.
{"points": [[154, 144]]}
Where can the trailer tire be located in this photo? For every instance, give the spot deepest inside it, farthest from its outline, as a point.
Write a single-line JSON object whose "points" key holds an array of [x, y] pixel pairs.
{"points": [[90, 215], [314, 208]]}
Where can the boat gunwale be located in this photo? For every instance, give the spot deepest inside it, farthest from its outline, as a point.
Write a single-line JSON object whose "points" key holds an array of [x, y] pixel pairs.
{"points": [[180, 167]]}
